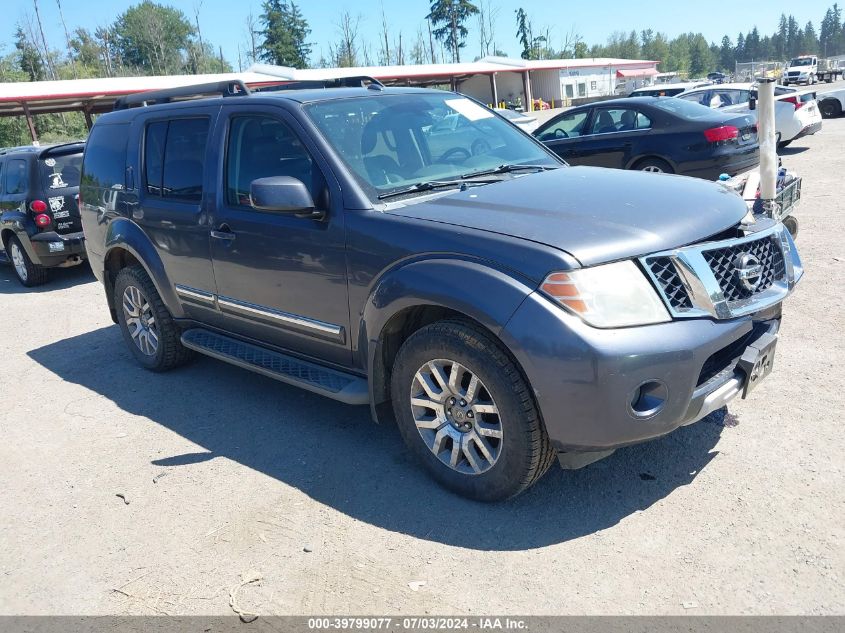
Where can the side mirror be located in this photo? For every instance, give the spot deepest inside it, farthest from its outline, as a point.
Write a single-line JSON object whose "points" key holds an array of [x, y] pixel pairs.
{"points": [[283, 194], [752, 102]]}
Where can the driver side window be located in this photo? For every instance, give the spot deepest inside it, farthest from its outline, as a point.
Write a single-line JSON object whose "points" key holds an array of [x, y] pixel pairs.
{"points": [[568, 126], [260, 147]]}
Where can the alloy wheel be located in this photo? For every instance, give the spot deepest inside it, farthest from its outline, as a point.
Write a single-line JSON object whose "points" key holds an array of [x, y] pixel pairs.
{"points": [[456, 416], [17, 260], [653, 169], [140, 320]]}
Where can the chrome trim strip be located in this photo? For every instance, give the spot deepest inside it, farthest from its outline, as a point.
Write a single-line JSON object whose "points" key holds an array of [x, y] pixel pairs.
{"points": [[186, 292], [706, 295], [250, 309]]}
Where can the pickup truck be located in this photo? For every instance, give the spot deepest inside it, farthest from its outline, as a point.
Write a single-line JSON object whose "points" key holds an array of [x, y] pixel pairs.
{"points": [[501, 307]]}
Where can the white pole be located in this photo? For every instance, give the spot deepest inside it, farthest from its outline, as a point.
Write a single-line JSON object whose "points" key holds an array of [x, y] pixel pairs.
{"points": [[766, 136]]}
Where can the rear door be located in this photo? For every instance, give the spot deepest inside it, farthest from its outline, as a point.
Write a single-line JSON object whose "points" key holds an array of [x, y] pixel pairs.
{"points": [[57, 176], [613, 133], [175, 162]]}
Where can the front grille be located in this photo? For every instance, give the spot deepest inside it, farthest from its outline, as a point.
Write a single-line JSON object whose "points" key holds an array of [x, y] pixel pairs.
{"points": [[670, 282], [721, 261]]}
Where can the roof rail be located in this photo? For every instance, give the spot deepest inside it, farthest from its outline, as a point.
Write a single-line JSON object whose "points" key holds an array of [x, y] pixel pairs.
{"points": [[232, 88], [356, 81]]}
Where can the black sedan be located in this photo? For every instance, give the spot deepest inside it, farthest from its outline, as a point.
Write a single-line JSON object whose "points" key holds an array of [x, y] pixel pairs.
{"points": [[656, 134]]}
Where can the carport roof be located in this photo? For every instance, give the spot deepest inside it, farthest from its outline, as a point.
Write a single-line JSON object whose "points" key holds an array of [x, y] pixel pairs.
{"points": [[96, 95]]}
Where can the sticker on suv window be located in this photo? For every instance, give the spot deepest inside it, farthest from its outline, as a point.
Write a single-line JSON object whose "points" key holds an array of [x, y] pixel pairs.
{"points": [[56, 181], [469, 109]]}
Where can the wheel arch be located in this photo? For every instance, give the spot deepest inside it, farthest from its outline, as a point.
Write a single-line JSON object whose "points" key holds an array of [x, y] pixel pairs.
{"points": [[422, 293], [128, 245], [651, 156]]}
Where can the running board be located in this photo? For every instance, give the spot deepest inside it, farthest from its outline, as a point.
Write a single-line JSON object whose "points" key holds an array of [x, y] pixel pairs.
{"points": [[327, 382]]}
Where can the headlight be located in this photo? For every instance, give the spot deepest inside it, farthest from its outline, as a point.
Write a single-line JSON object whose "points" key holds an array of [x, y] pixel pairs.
{"points": [[611, 295]]}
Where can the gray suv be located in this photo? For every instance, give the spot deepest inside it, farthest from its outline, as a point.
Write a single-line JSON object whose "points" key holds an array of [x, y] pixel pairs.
{"points": [[501, 307]]}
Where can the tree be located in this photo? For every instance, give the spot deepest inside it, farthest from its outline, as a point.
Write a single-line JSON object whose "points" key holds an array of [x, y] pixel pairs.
{"points": [[29, 57], [523, 33], [285, 34], [153, 38], [449, 18], [810, 41], [345, 53], [727, 55]]}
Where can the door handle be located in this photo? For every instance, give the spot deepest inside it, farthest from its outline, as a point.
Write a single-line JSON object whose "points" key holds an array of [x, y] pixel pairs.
{"points": [[223, 232]]}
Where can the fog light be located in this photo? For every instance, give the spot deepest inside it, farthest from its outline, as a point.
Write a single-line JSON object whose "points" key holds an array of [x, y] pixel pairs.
{"points": [[648, 399]]}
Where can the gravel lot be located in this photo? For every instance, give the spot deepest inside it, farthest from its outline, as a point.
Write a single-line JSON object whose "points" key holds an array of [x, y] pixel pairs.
{"points": [[229, 476]]}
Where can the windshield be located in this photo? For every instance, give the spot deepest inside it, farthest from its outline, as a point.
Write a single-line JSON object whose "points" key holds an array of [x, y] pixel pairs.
{"points": [[802, 61], [392, 142], [59, 171], [682, 108]]}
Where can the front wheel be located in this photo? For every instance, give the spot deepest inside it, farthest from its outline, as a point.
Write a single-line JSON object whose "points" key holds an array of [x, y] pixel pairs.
{"points": [[28, 272], [147, 326], [465, 411]]}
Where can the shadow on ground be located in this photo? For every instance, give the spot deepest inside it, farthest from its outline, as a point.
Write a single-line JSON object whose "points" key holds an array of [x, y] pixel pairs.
{"points": [[792, 150], [59, 279], [337, 456]]}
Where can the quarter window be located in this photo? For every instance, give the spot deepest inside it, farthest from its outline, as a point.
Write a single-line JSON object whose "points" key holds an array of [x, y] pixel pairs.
{"points": [[261, 147], [174, 154], [104, 164], [16, 176]]}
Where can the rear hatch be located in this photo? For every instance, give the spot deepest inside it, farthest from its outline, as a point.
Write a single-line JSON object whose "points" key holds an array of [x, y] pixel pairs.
{"points": [[58, 179]]}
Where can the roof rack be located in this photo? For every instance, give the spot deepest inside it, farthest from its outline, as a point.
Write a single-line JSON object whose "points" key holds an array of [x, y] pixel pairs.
{"points": [[356, 81], [232, 88]]}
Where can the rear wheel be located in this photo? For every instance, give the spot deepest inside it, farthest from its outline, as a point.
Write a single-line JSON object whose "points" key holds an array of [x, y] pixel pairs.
{"points": [[28, 273], [467, 414], [830, 108], [654, 166], [147, 326]]}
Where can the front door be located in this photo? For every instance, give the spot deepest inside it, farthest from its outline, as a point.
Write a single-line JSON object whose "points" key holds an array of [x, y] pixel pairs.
{"points": [[281, 279]]}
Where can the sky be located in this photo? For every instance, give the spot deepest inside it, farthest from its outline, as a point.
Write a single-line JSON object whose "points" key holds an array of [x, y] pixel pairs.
{"points": [[223, 22]]}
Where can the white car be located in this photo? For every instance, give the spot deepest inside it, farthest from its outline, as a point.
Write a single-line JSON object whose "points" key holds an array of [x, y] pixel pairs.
{"points": [[519, 119], [796, 111], [667, 90]]}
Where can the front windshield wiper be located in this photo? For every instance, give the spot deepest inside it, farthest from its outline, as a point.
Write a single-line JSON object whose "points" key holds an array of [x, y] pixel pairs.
{"points": [[507, 168], [428, 185]]}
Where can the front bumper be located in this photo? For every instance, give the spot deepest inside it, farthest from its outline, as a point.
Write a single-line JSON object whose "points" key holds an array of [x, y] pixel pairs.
{"points": [[53, 249], [734, 163], [586, 380]]}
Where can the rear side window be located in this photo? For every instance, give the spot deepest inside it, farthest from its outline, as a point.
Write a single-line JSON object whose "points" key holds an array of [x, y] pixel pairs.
{"points": [[174, 154], [16, 176], [104, 165], [60, 172]]}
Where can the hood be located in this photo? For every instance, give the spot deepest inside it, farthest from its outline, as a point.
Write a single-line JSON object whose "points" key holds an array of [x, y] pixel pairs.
{"points": [[596, 215]]}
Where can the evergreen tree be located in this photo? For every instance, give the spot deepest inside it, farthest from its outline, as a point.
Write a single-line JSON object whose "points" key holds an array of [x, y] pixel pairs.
{"points": [[285, 34], [449, 18]]}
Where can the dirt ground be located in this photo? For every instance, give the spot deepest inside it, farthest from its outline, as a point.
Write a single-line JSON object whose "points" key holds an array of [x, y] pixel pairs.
{"points": [[228, 476]]}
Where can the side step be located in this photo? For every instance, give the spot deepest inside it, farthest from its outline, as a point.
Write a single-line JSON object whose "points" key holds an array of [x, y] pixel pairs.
{"points": [[327, 382]]}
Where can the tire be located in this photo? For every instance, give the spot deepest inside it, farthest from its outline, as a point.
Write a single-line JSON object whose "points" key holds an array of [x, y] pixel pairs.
{"points": [[654, 165], [521, 452], [139, 306], [28, 273], [830, 108], [791, 224]]}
